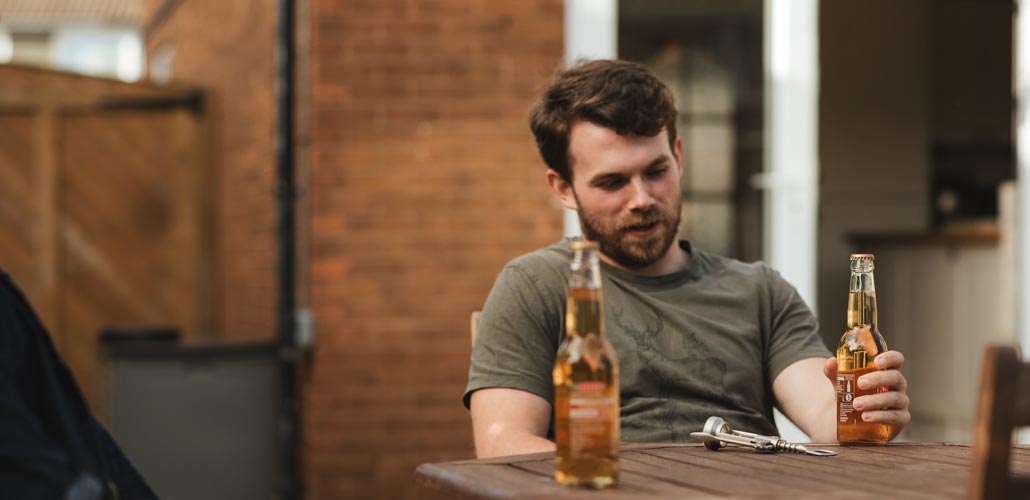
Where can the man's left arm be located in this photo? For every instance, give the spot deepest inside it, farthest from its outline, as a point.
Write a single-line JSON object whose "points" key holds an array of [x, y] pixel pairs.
{"points": [[810, 401]]}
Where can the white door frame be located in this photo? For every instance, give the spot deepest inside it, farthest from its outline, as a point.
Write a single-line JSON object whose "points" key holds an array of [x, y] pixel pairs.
{"points": [[792, 141], [591, 32], [1021, 77]]}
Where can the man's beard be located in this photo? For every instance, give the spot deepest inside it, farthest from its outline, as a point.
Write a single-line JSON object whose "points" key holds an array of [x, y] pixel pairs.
{"points": [[614, 241]]}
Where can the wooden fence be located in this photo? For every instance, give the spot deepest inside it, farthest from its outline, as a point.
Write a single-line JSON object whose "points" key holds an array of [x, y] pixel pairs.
{"points": [[105, 208]]}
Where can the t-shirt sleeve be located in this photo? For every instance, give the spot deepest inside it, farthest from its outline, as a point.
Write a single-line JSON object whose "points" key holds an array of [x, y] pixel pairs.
{"points": [[518, 334], [794, 332]]}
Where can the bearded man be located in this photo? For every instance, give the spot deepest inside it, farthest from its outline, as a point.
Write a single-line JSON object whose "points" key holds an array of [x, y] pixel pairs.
{"points": [[696, 334]]}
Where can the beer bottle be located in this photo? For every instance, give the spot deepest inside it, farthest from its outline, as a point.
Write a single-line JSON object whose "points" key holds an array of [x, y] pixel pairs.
{"points": [[858, 346], [586, 382]]}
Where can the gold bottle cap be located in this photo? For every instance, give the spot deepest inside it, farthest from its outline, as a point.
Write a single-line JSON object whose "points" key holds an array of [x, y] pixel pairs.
{"points": [[862, 256], [579, 244]]}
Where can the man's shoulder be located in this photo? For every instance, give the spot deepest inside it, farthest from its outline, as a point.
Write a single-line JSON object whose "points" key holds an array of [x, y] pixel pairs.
{"points": [[755, 276], [551, 259], [717, 264]]}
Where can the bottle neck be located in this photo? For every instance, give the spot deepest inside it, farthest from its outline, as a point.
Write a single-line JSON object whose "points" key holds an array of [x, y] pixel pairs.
{"points": [[585, 269], [584, 313], [862, 301]]}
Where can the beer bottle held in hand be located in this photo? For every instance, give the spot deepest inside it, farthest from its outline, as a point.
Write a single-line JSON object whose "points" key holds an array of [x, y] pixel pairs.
{"points": [[586, 382], [859, 345]]}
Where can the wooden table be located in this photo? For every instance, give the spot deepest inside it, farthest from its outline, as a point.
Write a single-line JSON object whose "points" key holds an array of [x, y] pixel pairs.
{"points": [[689, 471]]}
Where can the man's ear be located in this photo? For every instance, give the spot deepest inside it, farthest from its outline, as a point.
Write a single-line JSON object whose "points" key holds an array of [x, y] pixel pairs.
{"points": [[562, 189], [677, 153]]}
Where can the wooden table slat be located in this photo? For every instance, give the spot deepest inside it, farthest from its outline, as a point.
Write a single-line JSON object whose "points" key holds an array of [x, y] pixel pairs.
{"points": [[708, 478], [926, 457], [465, 481], [688, 471], [633, 480], [722, 472], [849, 470], [825, 475]]}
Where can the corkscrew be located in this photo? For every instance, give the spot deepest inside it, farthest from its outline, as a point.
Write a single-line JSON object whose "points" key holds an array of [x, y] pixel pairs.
{"points": [[717, 434]]}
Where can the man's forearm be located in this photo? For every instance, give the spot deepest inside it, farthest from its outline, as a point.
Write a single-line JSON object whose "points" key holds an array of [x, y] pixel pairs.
{"points": [[512, 444], [808, 399], [824, 428]]}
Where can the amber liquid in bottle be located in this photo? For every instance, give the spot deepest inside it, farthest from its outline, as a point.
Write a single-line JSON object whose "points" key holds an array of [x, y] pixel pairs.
{"points": [[586, 398], [859, 345]]}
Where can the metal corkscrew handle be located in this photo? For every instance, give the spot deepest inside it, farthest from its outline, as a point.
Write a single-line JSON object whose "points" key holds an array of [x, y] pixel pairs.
{"points": [[789, 447], [717, 434]]}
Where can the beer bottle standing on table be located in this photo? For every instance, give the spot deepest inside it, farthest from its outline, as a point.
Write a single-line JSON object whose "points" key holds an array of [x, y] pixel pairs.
{"points": [[859, 345], [586, 382]]}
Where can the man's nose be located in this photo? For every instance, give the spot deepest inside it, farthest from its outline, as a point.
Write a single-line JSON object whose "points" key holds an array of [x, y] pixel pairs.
{"points": [[641, 197]]}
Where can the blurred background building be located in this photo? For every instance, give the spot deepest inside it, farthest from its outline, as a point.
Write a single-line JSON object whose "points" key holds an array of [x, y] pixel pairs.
{"points": [[99, 38], [139, 199]]}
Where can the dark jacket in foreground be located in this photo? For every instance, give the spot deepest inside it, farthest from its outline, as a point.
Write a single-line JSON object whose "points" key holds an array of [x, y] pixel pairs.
{"points": [[51, 446]]}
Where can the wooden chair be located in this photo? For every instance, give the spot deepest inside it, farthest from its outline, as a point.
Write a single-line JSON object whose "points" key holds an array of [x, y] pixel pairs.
{"points": [[1004, 405], [474, 324]]}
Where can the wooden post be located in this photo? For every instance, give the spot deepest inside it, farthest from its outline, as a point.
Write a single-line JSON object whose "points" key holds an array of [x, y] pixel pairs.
{"points": [[48, 210], [186, 220]]}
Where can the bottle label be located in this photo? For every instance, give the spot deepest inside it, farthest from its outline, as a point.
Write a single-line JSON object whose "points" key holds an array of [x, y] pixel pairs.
{"points": [[591, 408], [847, 391], [846, 385]]}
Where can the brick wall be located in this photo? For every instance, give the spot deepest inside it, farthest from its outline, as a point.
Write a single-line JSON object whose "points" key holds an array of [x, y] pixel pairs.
{"points": [[226, 47], [424, 182]]}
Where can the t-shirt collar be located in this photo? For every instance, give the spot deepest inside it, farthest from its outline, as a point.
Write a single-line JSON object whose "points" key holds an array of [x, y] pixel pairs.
{"points": [[692, 271]]}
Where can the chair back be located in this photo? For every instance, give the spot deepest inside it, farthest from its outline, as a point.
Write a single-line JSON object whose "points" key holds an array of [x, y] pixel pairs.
{"points": [[474, 325], [1003, 405]]}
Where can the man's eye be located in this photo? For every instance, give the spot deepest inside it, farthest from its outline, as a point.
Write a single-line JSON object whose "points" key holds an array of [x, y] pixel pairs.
{"points": [[610, 185], [658, 172]]}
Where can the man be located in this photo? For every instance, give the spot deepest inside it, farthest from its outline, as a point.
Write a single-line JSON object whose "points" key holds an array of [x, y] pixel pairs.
{"points": [[696, 334]]}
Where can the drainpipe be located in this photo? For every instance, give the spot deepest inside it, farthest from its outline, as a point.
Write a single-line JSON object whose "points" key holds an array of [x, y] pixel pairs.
{"points": [[289, 409]]}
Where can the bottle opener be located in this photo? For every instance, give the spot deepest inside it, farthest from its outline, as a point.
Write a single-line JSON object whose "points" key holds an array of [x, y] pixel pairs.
{"points": [[717, 434]]}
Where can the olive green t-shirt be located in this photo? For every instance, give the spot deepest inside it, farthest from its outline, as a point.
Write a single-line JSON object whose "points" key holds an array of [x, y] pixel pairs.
{"points": [[708, 340]]}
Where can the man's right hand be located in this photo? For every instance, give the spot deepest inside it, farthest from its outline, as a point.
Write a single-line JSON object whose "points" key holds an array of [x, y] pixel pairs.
{"points": [[509, 422], [889, 406]]}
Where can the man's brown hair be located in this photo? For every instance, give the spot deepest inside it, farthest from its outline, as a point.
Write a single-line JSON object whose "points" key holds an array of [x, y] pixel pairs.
{"points": [[620, 95]]}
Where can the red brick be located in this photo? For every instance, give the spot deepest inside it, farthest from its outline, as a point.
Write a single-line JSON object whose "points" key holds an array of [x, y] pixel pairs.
{"points": [[424, 181], [226, 48]]}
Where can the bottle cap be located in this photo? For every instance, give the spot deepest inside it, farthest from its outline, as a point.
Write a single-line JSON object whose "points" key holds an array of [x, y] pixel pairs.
{"points": [[862, 262]]}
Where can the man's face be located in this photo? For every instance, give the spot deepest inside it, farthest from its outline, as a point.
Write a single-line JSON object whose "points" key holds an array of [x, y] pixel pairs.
{"points": [[626, 190]]}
